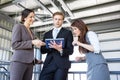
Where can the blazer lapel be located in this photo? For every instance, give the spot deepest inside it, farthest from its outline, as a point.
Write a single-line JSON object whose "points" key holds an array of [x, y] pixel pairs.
{"points": [[60, 33], [51, 33], [27, 33]]}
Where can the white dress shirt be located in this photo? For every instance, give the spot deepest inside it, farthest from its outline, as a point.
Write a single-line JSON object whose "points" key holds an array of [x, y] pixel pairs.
{"points": [[55, 32]]}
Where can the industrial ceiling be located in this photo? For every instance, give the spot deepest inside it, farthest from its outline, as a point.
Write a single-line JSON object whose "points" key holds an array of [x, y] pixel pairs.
{"points": [[90, 11]]}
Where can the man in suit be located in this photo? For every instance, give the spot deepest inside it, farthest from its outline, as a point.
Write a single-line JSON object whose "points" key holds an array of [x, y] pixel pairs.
{"points": [[57, 62]]}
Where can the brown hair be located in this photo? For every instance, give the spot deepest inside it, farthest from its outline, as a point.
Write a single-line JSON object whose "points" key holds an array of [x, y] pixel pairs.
{"points": [[83, 28], [59, 13], [25, 13]]}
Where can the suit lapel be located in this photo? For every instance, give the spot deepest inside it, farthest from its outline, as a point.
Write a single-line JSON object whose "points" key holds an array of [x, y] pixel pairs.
{"points": [[27, 33], [51, 33], [60, 33]]}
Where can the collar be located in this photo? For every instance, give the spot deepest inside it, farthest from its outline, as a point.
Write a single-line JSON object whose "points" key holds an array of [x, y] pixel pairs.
{"points": [[58, 28]]}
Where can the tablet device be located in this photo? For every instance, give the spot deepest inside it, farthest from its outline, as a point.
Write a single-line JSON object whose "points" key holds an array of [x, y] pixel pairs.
{"points": [[57, 40]]}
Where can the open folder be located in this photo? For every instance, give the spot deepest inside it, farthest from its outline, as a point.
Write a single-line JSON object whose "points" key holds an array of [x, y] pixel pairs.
{"points": [[57, 40]]}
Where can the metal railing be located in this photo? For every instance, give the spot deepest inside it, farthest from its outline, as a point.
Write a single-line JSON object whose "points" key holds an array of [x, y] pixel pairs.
{"points": [[4, 72]]}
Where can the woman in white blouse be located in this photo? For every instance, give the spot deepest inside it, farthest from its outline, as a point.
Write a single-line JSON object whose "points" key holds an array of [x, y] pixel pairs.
{"points": [[89, 45]]}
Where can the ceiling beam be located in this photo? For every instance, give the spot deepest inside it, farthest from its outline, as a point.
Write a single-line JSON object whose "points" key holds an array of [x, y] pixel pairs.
{"points": [[21, 6], [56, 4], [97, 6], [100, 16], [5, 4], [107, 25], [66, 8], [100, 26], [59, 6], [43, 6]]}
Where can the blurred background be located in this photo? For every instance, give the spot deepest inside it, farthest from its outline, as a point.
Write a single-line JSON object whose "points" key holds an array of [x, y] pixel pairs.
{"points": [[101, 16]]}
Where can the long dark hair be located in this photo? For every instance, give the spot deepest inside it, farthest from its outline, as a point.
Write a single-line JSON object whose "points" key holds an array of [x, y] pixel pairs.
{"points": [[83, 28], [25, 13]]}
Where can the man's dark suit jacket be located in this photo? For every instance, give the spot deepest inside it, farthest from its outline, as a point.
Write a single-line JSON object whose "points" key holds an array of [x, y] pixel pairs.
{"points": [[61, 61]]}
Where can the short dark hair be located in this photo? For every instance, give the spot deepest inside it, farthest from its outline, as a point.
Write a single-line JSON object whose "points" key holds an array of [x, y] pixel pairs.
{"points": [[25, 13], [59, 13]]}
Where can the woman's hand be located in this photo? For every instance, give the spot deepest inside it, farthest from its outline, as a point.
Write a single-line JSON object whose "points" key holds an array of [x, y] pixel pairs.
{"points": [[77, 59], [75, 43], [38, 43]]}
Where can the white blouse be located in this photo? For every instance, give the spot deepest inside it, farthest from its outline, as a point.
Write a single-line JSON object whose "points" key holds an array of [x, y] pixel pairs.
{"points": [[93, 39]]}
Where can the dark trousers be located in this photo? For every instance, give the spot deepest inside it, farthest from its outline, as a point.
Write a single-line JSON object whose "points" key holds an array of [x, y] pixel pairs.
{"points": [[53, 72]]}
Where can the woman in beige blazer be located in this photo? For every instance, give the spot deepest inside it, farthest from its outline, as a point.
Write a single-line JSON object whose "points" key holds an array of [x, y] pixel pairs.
{"points": [[23, 42]]}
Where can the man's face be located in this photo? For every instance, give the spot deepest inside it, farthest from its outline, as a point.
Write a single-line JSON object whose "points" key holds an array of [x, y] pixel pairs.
{"points": [[58, 20]]}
